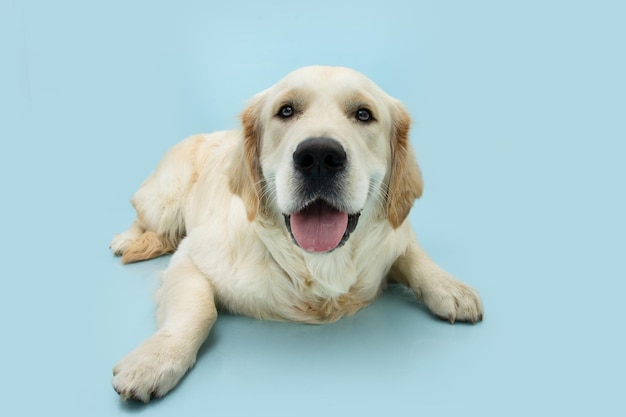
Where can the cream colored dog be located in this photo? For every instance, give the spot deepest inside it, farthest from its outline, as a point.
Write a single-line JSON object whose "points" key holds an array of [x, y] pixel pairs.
{"points": [[300, 216]]}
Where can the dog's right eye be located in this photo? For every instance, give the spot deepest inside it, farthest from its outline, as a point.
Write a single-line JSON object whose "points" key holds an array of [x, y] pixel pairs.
{"points": [[286, 112], [364, 115]]}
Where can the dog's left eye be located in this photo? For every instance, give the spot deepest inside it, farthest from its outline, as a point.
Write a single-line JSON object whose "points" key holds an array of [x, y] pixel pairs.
{"points": [[364, 115], [286, 112]]}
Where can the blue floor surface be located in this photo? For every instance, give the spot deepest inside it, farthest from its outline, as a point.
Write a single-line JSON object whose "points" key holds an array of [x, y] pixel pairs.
{"points": [[519, 115]]}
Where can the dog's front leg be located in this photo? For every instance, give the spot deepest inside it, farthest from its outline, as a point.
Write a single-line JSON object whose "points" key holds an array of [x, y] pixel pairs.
{"points": [[445, 296], [186, 312]]}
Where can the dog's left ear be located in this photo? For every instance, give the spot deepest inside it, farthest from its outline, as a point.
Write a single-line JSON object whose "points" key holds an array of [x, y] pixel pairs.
{"points": [[405, 180], [245, 171]]}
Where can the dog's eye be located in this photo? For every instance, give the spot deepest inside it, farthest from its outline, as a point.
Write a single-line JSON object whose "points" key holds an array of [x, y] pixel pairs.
{"points": [[286, 112], [364, 115]]}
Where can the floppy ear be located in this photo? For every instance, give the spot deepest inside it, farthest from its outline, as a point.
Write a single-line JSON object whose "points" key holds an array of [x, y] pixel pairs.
{"points": [[405, 180], [245, 172]]}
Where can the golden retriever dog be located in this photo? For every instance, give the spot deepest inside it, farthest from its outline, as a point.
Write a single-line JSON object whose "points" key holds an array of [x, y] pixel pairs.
{"points": [[300, 216]]}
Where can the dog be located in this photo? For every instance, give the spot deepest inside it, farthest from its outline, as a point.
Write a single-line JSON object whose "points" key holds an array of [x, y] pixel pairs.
{"points": [[300, 216]]}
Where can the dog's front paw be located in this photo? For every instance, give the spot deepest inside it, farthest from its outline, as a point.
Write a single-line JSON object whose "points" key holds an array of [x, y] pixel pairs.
{"points": [[450, 299], [151, 370]]}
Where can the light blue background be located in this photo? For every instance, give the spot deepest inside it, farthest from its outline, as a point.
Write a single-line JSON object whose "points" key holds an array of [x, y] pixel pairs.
{"points": [[519, 112]]}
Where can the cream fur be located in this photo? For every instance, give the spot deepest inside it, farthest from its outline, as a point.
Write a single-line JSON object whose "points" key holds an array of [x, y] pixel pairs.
{"points": [[218, 201]]}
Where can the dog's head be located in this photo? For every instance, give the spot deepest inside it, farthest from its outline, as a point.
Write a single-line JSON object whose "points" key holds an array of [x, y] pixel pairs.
{"points": [[320, 147]]}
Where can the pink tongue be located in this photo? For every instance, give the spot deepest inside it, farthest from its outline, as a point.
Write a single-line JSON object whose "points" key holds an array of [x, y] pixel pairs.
{"points": [[319, 227]]}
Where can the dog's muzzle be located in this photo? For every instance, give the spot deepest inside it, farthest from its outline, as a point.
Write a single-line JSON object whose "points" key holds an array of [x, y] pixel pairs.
{"points": [[320, 224]]}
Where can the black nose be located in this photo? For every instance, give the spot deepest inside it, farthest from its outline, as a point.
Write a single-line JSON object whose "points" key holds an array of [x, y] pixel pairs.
{"points": [[319, 157]]}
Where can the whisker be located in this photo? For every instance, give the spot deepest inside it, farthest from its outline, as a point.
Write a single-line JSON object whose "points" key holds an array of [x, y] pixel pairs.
{"points": [[266, 190], [379, 194]]}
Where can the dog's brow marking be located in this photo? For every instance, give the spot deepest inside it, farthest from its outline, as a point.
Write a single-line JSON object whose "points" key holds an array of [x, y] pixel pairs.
{"points": [[357, 100], [295, 97]]}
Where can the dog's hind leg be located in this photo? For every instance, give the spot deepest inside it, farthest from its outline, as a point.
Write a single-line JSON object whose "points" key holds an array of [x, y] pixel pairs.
{"points": [[158, 227], [160, 205], [138, 244]]}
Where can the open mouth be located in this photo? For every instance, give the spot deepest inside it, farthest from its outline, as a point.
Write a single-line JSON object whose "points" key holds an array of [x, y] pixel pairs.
{"points": [[320, 227]]}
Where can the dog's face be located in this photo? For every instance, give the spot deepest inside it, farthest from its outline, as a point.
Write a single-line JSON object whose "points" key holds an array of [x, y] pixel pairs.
{"points": [[322, 146]]}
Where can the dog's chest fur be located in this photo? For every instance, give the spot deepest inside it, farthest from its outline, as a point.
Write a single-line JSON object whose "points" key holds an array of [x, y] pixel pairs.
{"points": [[331, 287], [315, 288], [266, 276]]}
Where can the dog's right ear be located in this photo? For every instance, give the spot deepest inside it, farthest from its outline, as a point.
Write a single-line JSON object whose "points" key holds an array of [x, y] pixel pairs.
{"points": [[245, 171]]}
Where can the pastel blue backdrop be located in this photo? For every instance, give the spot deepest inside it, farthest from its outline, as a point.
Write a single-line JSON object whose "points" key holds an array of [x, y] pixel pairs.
{"points": [[519, 111]]}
